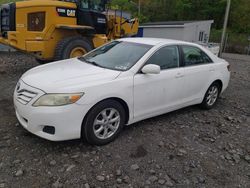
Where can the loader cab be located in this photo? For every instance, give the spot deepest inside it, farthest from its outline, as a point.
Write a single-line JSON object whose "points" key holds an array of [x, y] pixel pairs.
{"points": [[91, 13]]}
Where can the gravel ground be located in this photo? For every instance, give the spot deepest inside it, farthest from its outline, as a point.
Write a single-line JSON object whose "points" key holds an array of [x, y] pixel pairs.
{"points": [[186, 148]]}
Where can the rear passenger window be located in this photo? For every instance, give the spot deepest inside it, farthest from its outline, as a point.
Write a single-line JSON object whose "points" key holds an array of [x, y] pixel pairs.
{"points": [[166, 57], [195, 56]]}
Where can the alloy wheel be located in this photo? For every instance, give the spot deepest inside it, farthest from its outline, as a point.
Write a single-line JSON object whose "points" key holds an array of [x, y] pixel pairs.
{"points": [[106, 123], [212, 95]]}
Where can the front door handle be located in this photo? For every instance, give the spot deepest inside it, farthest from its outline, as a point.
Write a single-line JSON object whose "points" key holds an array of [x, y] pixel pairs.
{"points": [[211, 69], [179, 75]]}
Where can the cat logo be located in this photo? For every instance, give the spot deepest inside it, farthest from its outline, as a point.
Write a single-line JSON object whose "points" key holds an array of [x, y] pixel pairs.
{"points": [[66, 12], [71, 13]]}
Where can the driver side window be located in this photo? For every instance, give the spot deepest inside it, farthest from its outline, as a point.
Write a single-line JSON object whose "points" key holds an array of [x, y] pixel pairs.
{"points": [[166, 57]]}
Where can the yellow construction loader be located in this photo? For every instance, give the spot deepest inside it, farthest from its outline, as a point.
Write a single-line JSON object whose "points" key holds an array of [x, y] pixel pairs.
{"points": [[60, 29]]}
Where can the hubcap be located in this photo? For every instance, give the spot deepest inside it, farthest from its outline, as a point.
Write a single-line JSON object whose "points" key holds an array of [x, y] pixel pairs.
{"points": [[106, 123], [212, 95], [77, 52]]}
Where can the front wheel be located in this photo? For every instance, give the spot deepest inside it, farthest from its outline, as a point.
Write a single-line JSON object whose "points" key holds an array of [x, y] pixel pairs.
{"points": [[211, 96], [104, 122]]}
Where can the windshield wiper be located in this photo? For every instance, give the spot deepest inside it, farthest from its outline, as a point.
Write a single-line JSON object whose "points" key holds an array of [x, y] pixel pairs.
{"points": [[90, 62]]}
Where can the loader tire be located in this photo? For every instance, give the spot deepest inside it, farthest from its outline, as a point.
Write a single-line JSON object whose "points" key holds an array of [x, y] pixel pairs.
{"points": [[42, 61], [72, 47]]}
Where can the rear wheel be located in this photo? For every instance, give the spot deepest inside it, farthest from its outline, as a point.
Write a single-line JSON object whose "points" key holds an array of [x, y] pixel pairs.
{"points": [[211, 96], [104, 122], [72, 47]]}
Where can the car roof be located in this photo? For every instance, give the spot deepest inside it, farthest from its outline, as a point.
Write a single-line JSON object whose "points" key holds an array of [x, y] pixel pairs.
{"points": [[154, 41]]}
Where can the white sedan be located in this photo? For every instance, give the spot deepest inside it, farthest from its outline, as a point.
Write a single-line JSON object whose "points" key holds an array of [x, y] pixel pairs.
{"points": [[118, 84]]}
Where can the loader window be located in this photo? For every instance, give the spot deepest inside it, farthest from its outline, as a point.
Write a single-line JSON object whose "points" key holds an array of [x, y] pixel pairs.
{"points": [[85, 4], [96, 5], [117, 55]]}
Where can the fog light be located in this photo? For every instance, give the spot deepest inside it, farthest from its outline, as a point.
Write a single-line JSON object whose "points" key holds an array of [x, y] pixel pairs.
{"points": [[49, 129]]}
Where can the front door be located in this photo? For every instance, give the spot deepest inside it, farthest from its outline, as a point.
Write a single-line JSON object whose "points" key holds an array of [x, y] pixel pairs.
{"points": [[159, 93]]}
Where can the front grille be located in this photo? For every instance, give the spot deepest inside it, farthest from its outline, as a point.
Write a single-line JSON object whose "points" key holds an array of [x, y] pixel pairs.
{"points": [[25, 96]]}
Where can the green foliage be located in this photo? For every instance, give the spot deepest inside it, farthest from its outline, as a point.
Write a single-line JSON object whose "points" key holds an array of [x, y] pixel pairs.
{"points": [[7, 1]]}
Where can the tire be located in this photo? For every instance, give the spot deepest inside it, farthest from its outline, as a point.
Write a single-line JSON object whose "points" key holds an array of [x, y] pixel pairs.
{"points": [[41, 61], [211, 96], [66, 47], [92, 131]]}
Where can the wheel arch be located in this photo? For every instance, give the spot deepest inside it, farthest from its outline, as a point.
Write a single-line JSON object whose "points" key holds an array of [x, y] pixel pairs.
{"points": [[219, 82], [121, 101]]}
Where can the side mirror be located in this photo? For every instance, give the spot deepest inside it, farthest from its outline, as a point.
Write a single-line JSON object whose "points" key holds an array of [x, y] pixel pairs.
{"points": [[151, 69]]}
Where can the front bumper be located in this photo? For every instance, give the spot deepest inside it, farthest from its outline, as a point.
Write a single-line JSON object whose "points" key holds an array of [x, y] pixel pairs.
{"points": [[66, 120]]}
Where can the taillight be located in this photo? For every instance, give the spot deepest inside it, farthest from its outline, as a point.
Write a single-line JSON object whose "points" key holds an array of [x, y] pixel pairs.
{"points": [[229, 68], [36, 21]]}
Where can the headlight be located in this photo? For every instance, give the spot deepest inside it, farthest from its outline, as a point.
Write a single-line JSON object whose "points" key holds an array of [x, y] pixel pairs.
{"points": [[36, 21], [57, 99]]}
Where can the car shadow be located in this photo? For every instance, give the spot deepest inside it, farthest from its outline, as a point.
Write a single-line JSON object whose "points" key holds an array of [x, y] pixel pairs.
{"points": [[59, 146]]}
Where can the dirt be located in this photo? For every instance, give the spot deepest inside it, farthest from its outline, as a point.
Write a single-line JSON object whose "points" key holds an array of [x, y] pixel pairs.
{"points": [[186, 148]]}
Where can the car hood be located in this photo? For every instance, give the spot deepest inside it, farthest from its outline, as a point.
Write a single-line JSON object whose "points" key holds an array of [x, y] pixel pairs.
{"points": [[67, 76]]}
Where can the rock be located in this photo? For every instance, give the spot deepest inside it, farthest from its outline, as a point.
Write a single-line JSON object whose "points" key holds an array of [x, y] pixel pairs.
{"points": [[57, 184], [181, 152], [201, 179], [161, 144], [118, 172], [19, 173], [86, 185], [147, 182], [2, 185], [126, 179], [236, 158], [100, 178], [70, 168], [229, 118], [135, 167], [187, 169], [247, 158], [74, 156], [6, 137], [228, 157], [192, 164], [119, 180], [153, 179], [84, 178], [152, 172], [158, 166], [16, 161], [52, 163], [161, 181], [168, 181]]}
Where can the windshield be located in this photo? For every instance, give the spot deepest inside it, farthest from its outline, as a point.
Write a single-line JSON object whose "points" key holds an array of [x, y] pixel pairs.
{"points": [[117, 55]]}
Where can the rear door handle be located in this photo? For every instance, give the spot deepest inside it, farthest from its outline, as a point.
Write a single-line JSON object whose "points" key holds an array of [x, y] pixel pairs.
{"points": [[179, 75]]}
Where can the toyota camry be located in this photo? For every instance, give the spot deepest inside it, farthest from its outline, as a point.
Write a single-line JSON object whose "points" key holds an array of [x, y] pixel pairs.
{"points": [[118, 84]]}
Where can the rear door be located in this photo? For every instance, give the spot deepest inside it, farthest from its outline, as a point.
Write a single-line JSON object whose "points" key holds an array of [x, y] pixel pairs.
{"points": [[198, 70]]}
